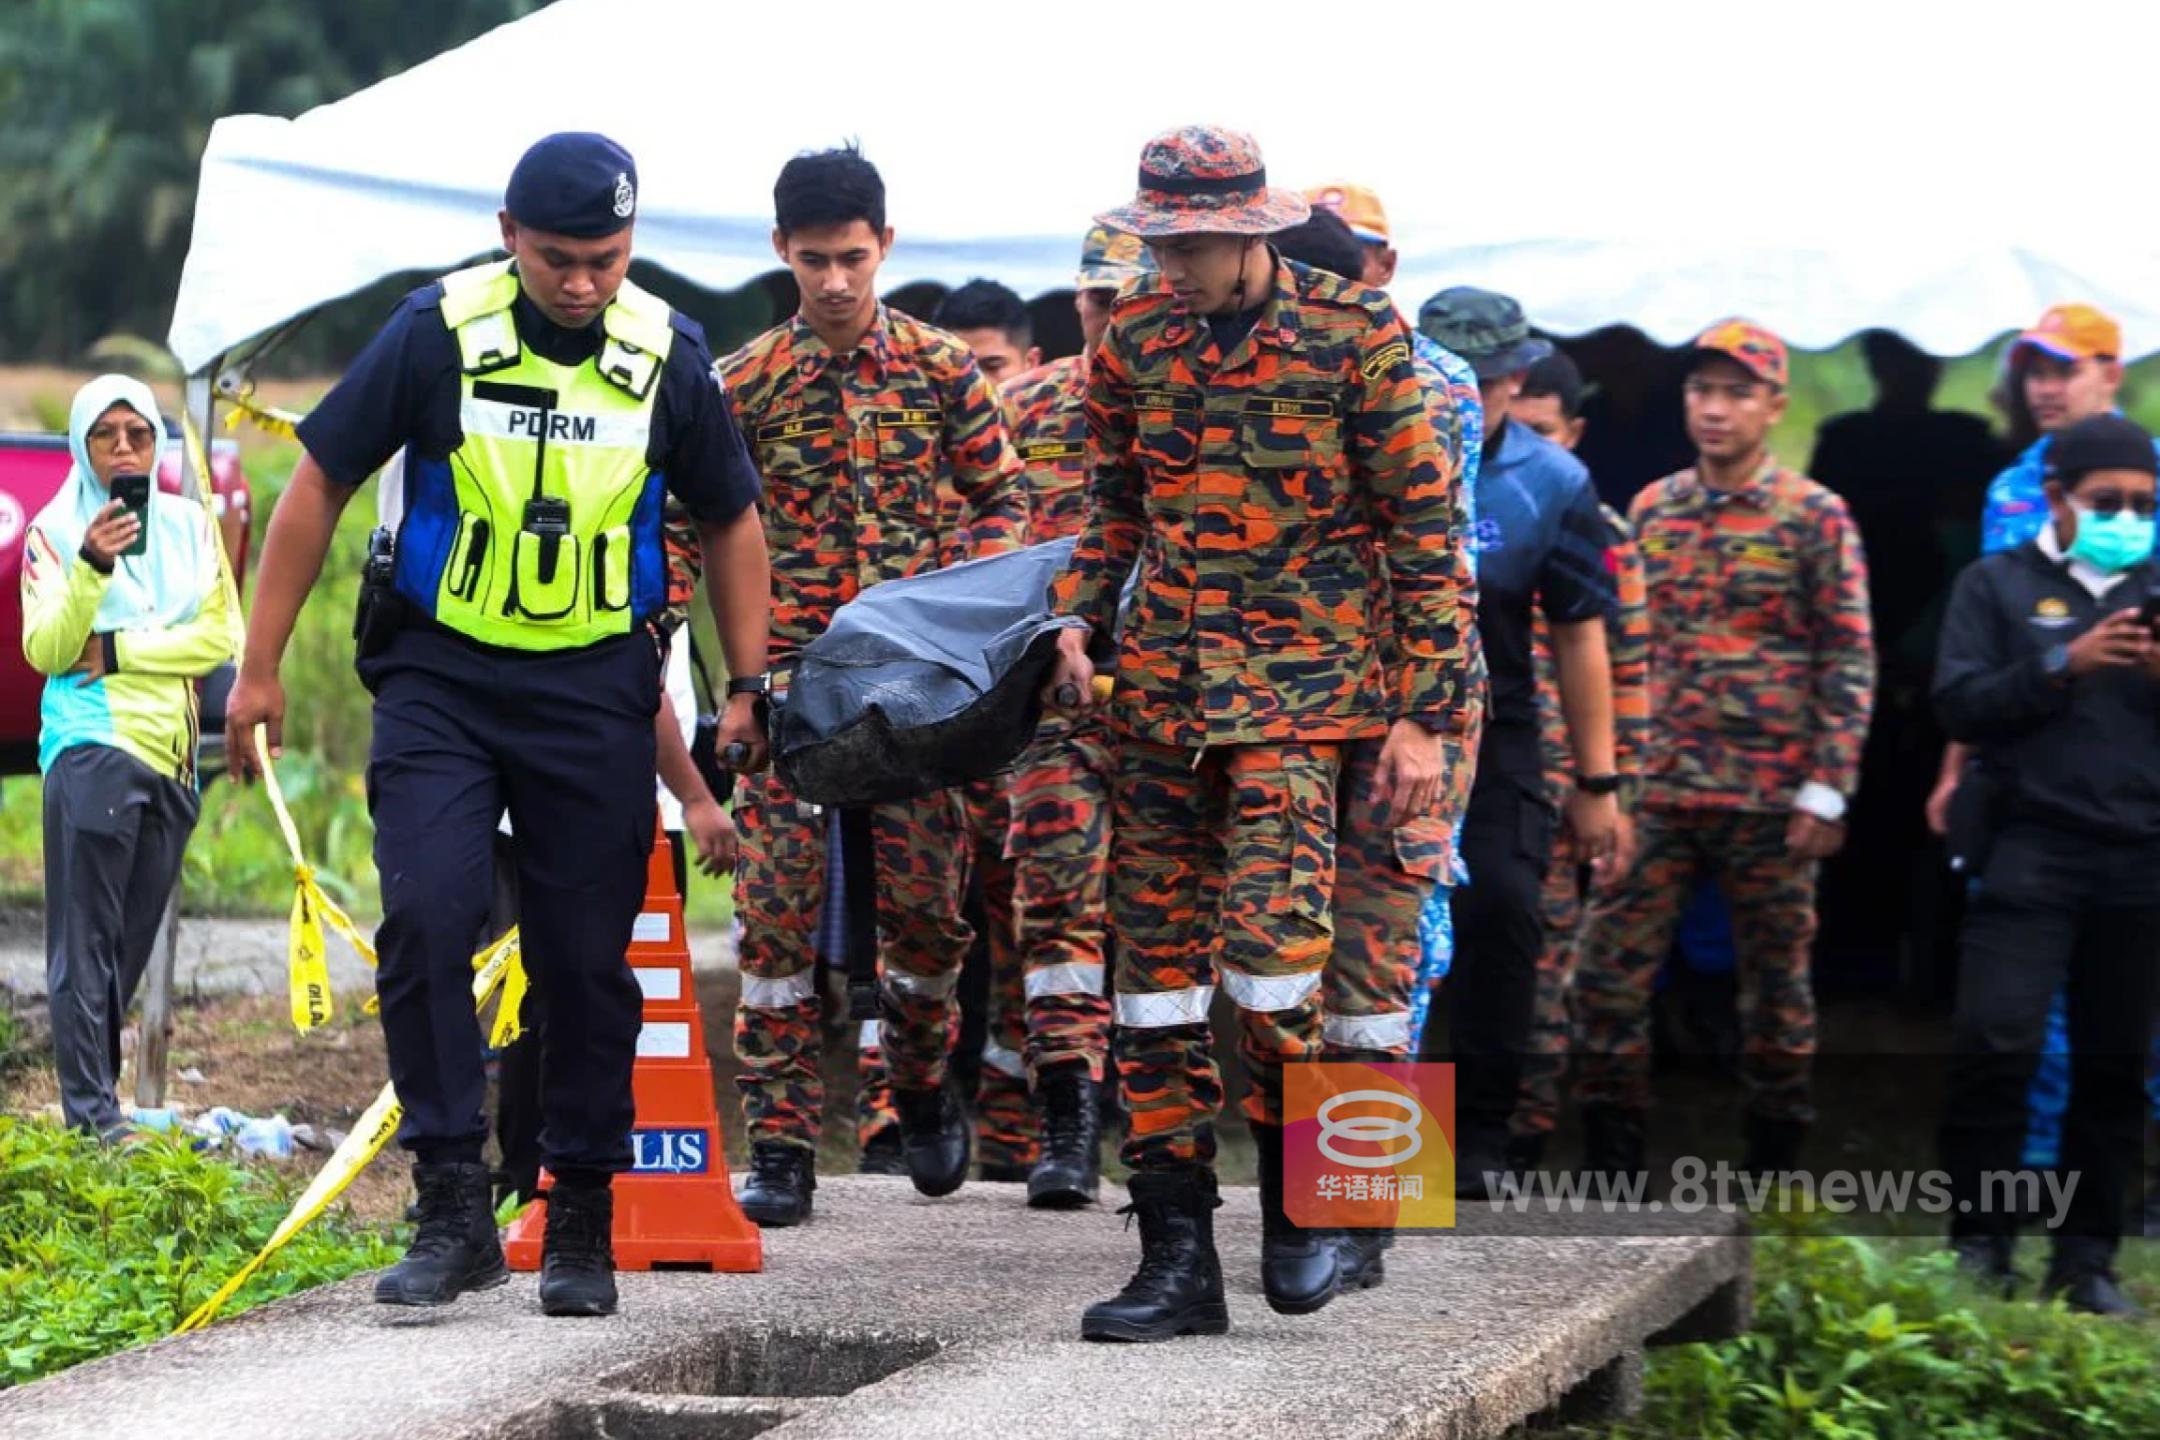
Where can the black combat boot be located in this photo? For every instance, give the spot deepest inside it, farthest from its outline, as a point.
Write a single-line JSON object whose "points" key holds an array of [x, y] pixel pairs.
{"points": [[935, 1137], [1178, 1288], [783, 1177], [1613, 1142], [1361, 1257], [455, 1248], [1069, 1171], [2082, 1271], [1986, 1261], [1480, 1155], [1298, 1268], [1526, 1152], [880, 1155], [577, 1257]]}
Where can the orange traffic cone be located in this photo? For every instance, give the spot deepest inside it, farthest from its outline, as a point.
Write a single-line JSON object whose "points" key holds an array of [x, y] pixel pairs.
{"points": [[674, 1209]]}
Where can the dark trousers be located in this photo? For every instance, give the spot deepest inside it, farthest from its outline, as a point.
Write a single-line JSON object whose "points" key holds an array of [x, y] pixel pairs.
{"points": [[2055, 911], [115, 831], [1507, 841], [564, 742], [517, 1078]]}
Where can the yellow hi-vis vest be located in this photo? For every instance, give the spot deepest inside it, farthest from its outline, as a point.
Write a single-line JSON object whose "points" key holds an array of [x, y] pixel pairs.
{"points": [[541, 531]]}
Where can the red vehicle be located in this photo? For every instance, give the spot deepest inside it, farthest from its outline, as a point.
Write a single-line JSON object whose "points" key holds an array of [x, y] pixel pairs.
{"points": [[32, 466]]}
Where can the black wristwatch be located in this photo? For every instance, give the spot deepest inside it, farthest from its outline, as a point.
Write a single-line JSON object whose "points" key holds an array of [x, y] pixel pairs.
{"points": [[1598, 784], [749, 685]]}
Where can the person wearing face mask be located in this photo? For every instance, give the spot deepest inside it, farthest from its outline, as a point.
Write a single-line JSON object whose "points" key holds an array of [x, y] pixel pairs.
{"points": [[123, 611], [2050, 670]]}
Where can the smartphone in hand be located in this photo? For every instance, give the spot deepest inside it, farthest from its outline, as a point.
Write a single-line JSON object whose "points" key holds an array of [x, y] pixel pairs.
{"points": [[2149, 612], [133, 492]]}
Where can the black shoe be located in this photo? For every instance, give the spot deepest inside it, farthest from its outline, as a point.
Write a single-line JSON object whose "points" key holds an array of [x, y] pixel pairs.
{"points": [[881, 1155], [1985, 1260], [1613, 1141], [577, 1255], [1178, 1288], [1298, 1268], [455, 1248], [994, 1172], [1480, 1160], [1361, 1258], [935, 1137], [1526, 1152], [1069, 1174], [782, 1179], [1773, 1145], [2082, 1273]]}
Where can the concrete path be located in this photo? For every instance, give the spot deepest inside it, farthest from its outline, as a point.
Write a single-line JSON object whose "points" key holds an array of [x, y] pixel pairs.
{"points": [[905, 1319], [245, 957]]}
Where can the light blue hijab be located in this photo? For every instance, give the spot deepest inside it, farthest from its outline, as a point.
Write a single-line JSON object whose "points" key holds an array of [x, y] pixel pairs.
{"points": [[163, 586]]}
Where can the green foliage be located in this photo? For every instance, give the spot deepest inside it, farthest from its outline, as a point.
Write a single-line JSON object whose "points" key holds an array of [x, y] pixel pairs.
{"points": [[1860, 1339], [101, 1249], [105, 106]]}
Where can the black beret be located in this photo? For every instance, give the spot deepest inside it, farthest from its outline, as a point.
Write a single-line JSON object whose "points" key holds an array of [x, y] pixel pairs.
{"points": [[575, 184]]}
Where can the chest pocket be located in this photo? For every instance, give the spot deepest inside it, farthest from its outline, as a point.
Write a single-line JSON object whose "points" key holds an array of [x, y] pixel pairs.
{"points": [[908, 457], [798, 456], [1166, 430], [1290, 432], [1762, 580]]}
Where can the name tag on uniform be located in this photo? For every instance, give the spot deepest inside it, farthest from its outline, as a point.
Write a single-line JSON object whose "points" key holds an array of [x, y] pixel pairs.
{"points": [[1164, 400], [1282, 408], [905, 419], [1656, 544], [1769, 557], [799, 427], [1053, 450]]}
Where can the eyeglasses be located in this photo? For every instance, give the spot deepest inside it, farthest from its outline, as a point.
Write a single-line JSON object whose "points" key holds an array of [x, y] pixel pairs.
{"points": [[139, 437], [2108, 504]]}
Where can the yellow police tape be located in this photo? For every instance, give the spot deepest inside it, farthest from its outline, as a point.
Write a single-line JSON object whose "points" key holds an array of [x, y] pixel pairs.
{"points": [[499, 967], [282, 423]]}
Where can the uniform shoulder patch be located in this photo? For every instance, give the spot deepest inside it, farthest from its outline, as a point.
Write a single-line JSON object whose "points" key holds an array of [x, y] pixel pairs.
{"points": [[1385, 359]]}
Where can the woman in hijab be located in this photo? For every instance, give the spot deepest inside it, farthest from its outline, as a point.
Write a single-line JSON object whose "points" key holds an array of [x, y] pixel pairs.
{"points": [[122, 639]]}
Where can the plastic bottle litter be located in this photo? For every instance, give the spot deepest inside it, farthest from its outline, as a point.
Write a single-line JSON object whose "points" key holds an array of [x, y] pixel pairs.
{"points": [[270, 1136]]}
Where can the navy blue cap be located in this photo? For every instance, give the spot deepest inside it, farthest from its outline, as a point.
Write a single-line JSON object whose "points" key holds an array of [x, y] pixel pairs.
{"points": [[575, 184], [2103, 442]]}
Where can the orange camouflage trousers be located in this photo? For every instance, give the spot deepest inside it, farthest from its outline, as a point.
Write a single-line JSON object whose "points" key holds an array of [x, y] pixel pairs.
{"points": [[780, 898], [1222, 868], [1629, 932], [1552, 1023], [1382, 879]]}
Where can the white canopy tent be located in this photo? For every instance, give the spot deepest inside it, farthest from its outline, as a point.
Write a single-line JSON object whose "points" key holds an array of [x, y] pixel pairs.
{"points": [[1943, 170]]}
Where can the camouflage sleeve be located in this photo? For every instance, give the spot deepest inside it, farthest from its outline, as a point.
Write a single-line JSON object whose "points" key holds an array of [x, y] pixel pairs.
{"points": [[1411, 490], [1629, 651], [985, 467], [1844, 647], [1116, 525], [685, 552]]}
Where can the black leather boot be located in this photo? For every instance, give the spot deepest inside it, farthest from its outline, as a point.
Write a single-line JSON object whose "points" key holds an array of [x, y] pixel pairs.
{"points": [[1481, 1154], [1298, 1269], [935, 1138], [1613, 1142], [1986, 1261], [577, 1254], [1178, 1288], [1360, 1257], [1526, 1152], [881, 1155], [782, 1179], [1068, 1172], [455, 1248], [2082, 1271]]}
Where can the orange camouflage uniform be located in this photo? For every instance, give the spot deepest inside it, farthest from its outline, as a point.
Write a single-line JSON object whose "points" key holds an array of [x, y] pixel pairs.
{"points": [[877, 465], [1628, 649], [1262, 492], [1762, 677]]}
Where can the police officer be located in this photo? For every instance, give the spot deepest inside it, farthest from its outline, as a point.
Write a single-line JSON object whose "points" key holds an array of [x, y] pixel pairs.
{"points": [[1264, 452], [540, 401]]}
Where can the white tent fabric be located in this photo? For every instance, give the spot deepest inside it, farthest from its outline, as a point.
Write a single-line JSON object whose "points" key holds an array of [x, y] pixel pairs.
{"points": [[1944, 170]]}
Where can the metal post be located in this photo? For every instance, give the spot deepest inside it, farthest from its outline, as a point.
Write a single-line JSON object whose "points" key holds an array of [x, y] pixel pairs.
{"points": [[155, 1036]]}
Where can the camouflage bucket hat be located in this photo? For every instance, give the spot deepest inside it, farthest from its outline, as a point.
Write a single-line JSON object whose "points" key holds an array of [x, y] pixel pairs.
{"points": [[1205, 180], [1485, 327], [1109, 258]]}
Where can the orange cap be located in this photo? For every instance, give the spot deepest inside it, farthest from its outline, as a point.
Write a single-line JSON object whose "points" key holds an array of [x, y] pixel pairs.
{"points": [[1359, 207], [2074, 332], [1756, 349]]}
